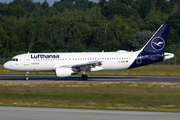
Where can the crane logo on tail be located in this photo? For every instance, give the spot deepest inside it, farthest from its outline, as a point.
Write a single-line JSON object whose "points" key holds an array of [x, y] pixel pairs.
{"points": [[158, 43]]}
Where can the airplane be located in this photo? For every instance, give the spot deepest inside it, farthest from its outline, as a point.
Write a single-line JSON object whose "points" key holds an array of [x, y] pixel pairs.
{"points": [[67, 64]]}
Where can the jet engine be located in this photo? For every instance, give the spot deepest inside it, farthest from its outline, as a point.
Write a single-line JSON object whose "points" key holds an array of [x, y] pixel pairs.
{"points": [[63, 72]]}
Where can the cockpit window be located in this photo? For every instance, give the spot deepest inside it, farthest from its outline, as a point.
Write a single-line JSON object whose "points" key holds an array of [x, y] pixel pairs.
{"points": [[14, 59]]}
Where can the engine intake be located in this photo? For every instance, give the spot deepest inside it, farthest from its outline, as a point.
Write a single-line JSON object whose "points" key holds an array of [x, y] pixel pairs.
{"points": [[63, 72]]}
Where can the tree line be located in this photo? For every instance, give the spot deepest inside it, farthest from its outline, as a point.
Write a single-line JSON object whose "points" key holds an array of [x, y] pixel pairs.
{"points": [[82, 25]]}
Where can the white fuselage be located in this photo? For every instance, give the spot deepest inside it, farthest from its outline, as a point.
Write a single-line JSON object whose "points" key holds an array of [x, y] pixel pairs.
{"points": [[41, 62]]}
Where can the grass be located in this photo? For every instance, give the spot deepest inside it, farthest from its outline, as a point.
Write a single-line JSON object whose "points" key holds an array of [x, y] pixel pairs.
{"points": [[145, 70], [163, 97], [93, 95]]}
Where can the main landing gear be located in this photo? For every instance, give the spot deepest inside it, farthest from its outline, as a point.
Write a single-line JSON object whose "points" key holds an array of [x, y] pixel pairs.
{"points": [[27, 76], [84, 77]]}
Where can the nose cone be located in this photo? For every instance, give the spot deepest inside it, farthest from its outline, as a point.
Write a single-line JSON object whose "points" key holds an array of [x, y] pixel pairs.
{"points": [[6, 65], [10, 66]]}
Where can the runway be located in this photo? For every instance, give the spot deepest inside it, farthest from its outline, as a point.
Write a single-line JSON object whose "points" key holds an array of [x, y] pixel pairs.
{"points": [[27, 113], [32, 113], [92, 78]]}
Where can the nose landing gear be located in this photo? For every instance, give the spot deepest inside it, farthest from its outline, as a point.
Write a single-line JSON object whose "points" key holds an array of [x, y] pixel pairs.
{"points": [[27, 76]]}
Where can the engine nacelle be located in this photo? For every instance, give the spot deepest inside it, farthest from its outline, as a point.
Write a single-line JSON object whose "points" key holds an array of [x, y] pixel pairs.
{"points": [[97, 68], [63, 72]]}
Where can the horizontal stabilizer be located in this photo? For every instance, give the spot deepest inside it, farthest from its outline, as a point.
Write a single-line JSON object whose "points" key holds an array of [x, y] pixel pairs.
{"points": [[168, 56]]}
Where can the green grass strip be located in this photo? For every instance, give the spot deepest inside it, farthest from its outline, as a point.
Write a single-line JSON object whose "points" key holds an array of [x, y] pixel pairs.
{"points": [[162, 97]]}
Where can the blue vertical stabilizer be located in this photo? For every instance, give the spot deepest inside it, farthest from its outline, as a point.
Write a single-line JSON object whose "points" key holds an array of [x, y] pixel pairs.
{"points": [[157, 42], [154, 50]]}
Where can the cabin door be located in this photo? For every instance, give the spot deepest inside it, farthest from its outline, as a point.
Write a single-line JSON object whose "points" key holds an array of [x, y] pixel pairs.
{"points": [[26, 60]]}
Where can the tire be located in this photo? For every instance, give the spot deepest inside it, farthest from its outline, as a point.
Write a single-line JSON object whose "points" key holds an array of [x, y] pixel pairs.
{"points": [[26, 78], [84, 77]]}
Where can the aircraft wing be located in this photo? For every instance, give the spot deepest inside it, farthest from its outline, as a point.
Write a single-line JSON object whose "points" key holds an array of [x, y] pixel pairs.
{"points": [[79, 66], [87, 67], [93, 63]]}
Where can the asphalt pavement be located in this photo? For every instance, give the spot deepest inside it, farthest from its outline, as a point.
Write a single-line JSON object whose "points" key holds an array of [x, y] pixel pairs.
{"points": [[30, 113], [92, 78]]}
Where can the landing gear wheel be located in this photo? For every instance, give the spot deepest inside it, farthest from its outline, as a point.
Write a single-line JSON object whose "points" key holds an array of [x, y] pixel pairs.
{"points": [[84, 77], [26, 78]]}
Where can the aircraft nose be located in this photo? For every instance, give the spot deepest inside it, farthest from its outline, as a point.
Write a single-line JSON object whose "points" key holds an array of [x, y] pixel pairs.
{"points": [[5, 65]]}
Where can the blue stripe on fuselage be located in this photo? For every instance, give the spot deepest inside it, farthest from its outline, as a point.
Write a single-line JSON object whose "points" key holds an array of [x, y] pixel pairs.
{"points": [[145, 59]]}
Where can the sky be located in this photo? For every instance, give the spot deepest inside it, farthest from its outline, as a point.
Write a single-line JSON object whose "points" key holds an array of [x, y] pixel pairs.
{"points": [[51, 2]]}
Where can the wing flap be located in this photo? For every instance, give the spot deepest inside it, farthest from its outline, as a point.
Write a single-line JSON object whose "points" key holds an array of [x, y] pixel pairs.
{"points": [[87, 63]]}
